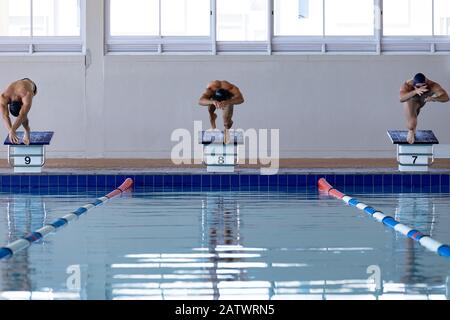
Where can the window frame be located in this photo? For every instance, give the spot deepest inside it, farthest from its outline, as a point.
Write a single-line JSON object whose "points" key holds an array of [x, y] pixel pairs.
{"points": [[27, 45], [157, 44], [433, 44], [185, 45]]}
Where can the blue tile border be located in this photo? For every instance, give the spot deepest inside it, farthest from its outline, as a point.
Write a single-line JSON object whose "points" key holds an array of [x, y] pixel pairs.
{"points": [[388, 183]]}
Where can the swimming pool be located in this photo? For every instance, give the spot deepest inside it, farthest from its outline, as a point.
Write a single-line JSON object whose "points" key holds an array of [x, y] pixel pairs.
{"points": [[249, 243]]}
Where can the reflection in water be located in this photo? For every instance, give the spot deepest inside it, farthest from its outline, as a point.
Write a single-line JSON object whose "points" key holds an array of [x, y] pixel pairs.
{"points": [[419, 213], [224, 267], [447, 287], [24, 214], [221, 236], [229, 245]]}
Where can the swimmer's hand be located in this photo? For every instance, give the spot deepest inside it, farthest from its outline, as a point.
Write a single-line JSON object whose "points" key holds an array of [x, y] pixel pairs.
{"points": [[221, 104], [13, 137], [217, 104], [431, 98], [421, 90]]}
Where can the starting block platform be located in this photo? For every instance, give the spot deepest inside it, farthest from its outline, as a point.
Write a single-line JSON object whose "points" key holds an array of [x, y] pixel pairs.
{"points": [[28, 158], [414, 157], [219, 156]]}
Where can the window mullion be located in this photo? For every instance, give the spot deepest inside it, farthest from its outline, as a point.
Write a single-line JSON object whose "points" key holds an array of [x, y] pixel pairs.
{"points": [[432, 18], [160, 45], [159, 20], [213, 26], [378, 27], [323, 18], [31, 28], [270, 25]]}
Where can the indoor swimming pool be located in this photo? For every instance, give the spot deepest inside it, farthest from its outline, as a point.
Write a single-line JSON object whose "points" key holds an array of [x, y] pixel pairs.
{"points": [[249, 243]]}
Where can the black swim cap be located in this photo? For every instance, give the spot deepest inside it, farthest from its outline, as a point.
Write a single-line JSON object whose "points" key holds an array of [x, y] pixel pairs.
{"points": [[419, 78], [14, 108], [222, 95]]}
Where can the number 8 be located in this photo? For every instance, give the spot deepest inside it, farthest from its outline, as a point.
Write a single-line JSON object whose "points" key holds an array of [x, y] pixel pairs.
{"points": [[221, 160]]}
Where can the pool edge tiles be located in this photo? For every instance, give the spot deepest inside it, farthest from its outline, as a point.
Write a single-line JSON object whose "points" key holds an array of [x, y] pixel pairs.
{"points": [[368, 182]]}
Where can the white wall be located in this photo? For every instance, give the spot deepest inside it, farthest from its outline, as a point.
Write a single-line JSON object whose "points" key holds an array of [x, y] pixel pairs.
{"points": [[324, 106], [128, 106], [60, 104]]}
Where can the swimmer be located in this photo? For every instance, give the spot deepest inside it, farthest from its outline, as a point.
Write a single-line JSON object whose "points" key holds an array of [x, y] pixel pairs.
{"points": [[17, 100], [414, 94], [221, 95]]}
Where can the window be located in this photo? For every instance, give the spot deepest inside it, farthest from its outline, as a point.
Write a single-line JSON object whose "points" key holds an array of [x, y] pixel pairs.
{"points": [[50, 18], [277, 26], [142, 17], [407, 17], [442, 17], [56, 18], [185, 17], [415, 17], [298, 18], [15, 18], [349, 17], [134, 17], [28, 26], [242, 20]]}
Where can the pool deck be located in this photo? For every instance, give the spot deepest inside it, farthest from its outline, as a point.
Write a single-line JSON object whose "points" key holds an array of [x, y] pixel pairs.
{"points": [[161, 166]]}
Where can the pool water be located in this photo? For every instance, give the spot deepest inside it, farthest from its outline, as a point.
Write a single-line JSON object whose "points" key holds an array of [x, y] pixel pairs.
{"points": [[224, 245]]}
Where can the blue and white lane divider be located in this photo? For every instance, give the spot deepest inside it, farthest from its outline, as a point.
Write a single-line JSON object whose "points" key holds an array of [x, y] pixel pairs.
{"points": [[23, 243], [425, 240]]}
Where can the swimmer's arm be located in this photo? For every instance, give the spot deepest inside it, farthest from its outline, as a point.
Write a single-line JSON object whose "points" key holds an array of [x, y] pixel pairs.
{"points": [[406, 94], [5, 112], [440, 95], [23, 112], [238, 98], [205, 99]]}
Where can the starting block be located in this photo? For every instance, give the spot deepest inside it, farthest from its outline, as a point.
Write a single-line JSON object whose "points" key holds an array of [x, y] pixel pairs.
{"points": [[414, 157], [217, 155], [28, 158]]}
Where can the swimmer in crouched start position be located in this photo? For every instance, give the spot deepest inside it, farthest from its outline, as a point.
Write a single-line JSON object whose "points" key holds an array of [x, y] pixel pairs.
{"points": [[414, 94], [17, 100], [221, 94]]}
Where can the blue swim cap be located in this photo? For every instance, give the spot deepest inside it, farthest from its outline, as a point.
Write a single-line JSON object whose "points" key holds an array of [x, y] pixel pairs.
{"points": [[222, 95], [14, 107], [419, 78]]}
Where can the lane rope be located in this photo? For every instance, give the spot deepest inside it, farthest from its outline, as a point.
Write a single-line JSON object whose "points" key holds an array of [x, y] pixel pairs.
{"points": [[412, 233], [24, 242]]}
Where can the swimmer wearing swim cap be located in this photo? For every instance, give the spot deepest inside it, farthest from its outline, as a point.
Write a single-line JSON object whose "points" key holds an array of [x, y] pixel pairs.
{"points": [[17, 100], [414, 94], [221, 94]]}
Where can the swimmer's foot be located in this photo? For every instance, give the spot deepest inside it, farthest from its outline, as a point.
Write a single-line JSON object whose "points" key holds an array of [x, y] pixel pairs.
{"points": [[411, 136], [226, 136], [26, 137]]}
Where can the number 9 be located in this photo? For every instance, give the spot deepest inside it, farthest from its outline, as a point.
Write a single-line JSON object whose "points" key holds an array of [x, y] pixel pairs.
{"points": [[27, 160]]}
